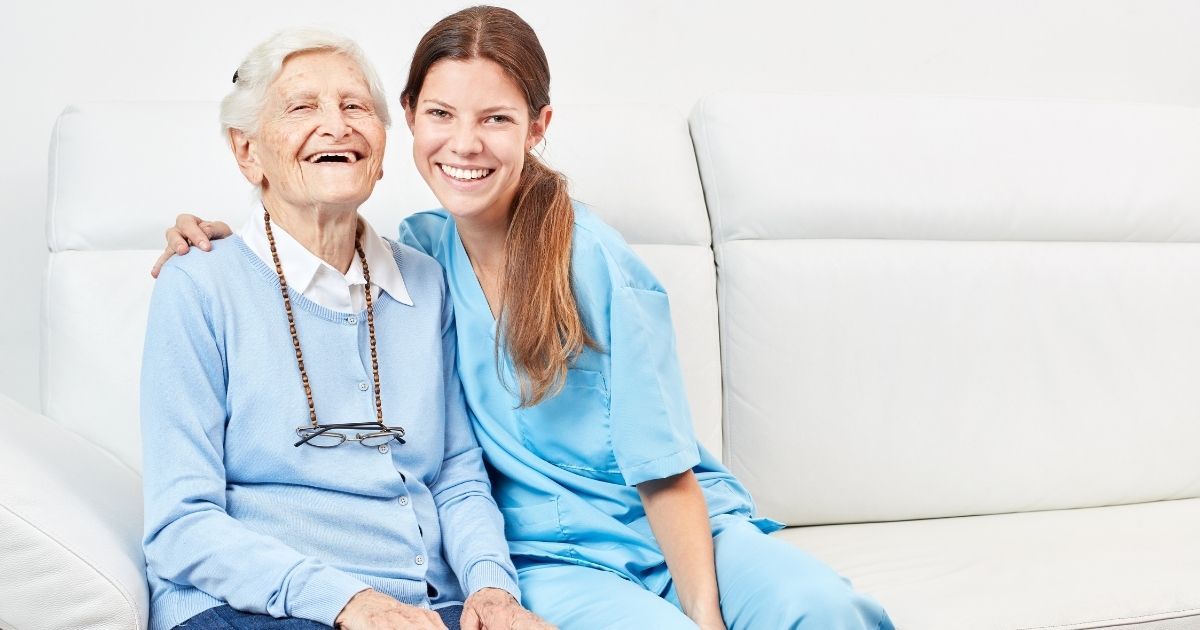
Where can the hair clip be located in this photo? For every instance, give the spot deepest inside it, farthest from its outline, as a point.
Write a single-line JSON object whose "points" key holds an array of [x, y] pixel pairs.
{"points": [[235, 73]]}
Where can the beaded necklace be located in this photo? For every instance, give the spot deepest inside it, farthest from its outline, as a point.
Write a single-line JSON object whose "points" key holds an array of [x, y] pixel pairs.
{"points": [[287, 306]]}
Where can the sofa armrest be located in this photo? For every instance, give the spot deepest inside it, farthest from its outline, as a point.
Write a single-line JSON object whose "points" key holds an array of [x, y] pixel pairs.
{"points": [[70, 530]]}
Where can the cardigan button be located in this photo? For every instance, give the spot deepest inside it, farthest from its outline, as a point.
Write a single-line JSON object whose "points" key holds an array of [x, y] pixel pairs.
{"points": [[419, 560]]}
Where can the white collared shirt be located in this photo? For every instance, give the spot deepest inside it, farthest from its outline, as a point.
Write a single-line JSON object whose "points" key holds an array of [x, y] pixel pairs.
{"points": [[319, 281]]}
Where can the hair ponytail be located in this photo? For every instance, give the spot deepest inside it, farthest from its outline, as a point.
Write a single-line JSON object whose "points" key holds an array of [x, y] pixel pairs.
{"points": [[540, 325]]}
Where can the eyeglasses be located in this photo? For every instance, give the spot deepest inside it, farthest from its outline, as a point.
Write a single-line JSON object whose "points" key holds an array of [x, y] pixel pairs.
{"points": [[331, 435]]}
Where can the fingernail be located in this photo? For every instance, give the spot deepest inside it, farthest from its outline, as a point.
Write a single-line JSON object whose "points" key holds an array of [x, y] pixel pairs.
{"points": [[205, 245]]}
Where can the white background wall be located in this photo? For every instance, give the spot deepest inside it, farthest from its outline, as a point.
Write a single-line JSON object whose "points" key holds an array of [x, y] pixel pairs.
{"points": [[672, 52]]}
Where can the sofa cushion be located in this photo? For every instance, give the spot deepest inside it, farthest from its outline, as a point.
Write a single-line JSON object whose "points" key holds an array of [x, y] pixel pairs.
{"points": [[946, 168], [937, 307], [71, 517], [1131, 566], [94, 324], [118, 169]]}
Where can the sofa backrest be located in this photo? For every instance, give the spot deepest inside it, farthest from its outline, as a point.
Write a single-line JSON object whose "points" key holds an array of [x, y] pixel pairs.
{"points": [[948, 306], [119, 172]]}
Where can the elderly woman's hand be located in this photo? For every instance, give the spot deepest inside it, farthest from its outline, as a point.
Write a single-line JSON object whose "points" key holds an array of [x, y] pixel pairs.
{"points": [[494, 609], [372, 610], [189, 230]]}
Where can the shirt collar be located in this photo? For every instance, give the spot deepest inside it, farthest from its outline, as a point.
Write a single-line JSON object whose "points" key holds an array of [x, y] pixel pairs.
{"points": [[313, 277], [384, 272]]}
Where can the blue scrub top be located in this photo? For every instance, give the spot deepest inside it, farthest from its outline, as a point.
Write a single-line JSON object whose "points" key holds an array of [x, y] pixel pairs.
{"points": [[563, 471]]}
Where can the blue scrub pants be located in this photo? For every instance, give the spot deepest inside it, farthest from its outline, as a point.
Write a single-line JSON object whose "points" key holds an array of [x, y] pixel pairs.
{"points": [[764, 583]]}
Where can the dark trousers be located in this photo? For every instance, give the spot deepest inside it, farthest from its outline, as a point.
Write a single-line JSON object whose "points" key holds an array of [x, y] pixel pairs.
{"points": [[226, 618]]}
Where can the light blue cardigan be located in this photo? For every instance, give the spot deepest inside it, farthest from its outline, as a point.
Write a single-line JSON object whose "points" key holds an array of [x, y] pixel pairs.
{"points": [[235, 514]]}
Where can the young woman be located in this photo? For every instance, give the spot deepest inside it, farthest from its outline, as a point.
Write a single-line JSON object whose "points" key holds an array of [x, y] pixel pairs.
{"points": [[615, 516]]}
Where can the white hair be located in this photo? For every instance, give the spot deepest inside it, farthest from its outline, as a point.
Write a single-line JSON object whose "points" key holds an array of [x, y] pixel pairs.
{"points": [[243, 106]]}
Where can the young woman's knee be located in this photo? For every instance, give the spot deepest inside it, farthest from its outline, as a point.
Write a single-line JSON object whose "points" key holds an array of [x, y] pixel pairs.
{"points": [[806, 603], [831, 607]]}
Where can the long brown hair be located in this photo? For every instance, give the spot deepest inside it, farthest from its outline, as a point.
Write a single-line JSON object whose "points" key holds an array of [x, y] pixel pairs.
{"points": [[542, 329]]}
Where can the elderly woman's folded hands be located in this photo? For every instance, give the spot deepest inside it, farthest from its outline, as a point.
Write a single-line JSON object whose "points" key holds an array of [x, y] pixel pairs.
{"points": [[495, 609], [372, 610], [486, 609]]}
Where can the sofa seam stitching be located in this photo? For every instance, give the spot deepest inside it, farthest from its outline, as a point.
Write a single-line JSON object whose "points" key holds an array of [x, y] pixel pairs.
{"points": [[52, 211], [716, 225], [1174, 614]]}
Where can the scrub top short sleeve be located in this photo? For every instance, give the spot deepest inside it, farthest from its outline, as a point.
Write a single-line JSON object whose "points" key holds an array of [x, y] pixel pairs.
{"points": [[651, 423]]}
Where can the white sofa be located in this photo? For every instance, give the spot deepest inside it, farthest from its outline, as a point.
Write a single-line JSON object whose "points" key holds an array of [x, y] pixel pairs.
{"points": [[954, 343]]}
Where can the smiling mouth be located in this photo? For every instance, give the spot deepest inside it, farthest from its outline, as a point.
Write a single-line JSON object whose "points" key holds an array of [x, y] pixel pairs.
{"points": [[466, 174], [344, 157]]}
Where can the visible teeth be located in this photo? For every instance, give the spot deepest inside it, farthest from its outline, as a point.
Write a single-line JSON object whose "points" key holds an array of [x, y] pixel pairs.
{"points": [[348, 156], [465, 173]]}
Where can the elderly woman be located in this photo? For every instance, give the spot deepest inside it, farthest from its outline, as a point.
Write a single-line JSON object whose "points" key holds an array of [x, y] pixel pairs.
{"points": [[345, 490]]}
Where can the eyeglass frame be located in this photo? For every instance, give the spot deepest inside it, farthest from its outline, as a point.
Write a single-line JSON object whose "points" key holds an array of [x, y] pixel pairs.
{"points": [[309, 432]]}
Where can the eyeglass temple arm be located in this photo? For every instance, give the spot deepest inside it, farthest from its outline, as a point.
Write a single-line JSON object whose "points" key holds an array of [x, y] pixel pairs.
{"points": [[319, 431]]}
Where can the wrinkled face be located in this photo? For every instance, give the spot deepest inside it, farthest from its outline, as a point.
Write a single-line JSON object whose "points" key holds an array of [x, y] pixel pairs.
{"points": [[471, 130], [320, 142]]}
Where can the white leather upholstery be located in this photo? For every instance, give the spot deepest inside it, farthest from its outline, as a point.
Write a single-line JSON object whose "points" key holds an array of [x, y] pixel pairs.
{"points": [[118, 170], [636, 166], [70, 530], [917, 379], [1130, 566], [939, 307], [927, 168], [933, 307], [94, 324]]}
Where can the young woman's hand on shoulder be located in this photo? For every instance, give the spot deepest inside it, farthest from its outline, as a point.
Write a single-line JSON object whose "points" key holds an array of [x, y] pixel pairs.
{"points": [[189, 230]]}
